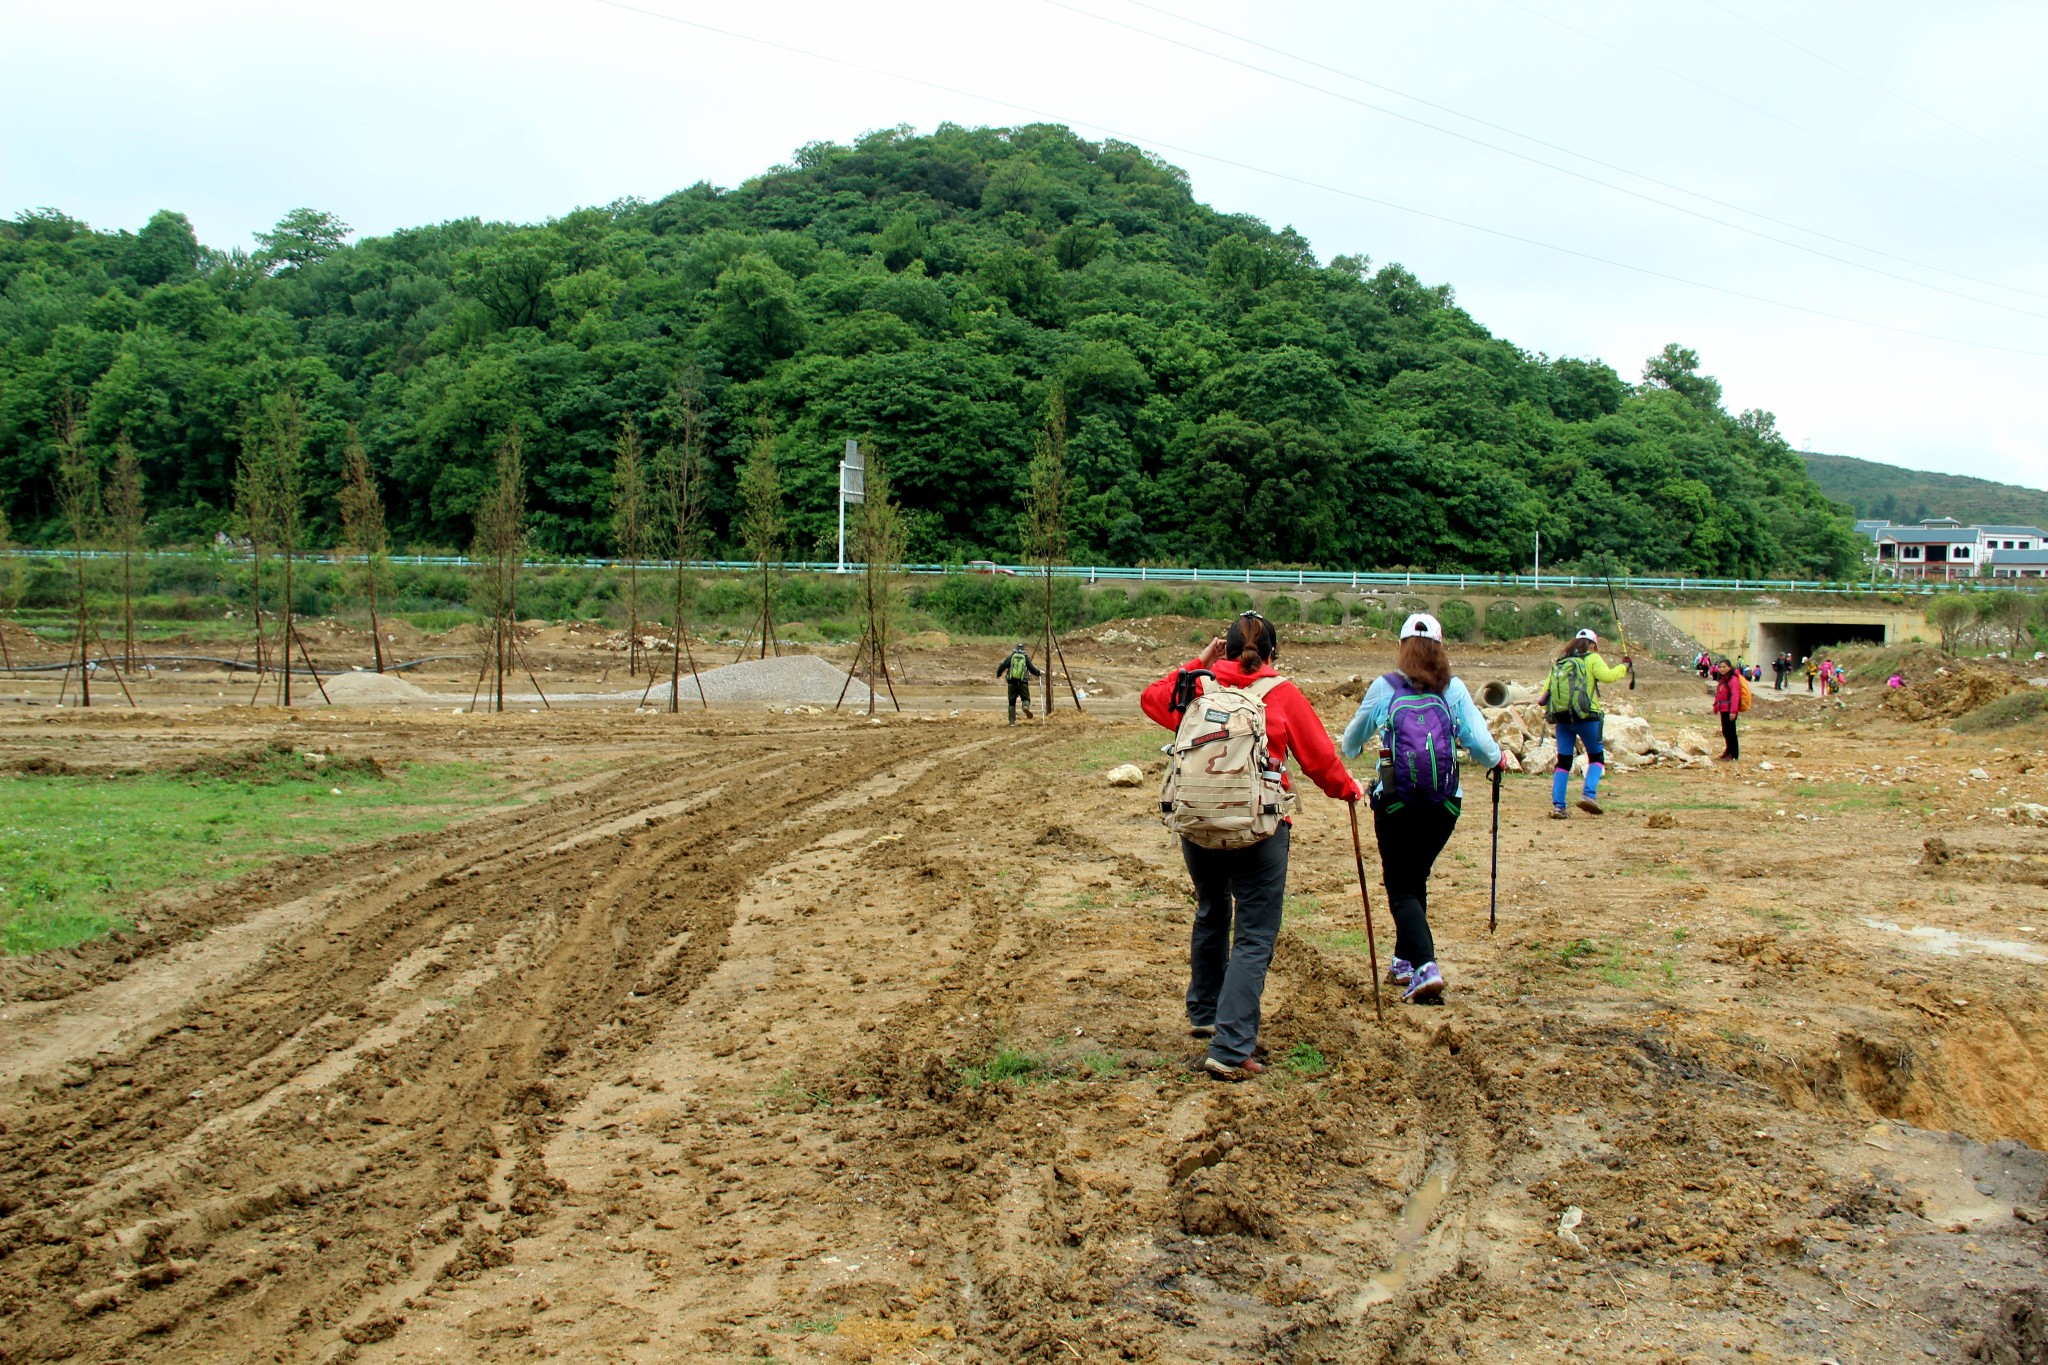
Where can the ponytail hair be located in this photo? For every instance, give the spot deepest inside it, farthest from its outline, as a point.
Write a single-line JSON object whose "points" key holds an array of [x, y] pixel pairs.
{"points": [[1252, 641], [1575, 648]]}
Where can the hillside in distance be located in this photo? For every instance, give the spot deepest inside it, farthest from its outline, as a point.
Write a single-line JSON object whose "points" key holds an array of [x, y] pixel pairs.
{"points": [[1909, 495], [1231, 399]]}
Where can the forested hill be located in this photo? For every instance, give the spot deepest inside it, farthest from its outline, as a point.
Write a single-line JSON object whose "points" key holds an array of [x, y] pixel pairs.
{"points": [[1232, 401], [1908, 495]]}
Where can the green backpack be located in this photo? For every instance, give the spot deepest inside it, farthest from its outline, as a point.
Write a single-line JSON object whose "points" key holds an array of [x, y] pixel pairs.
{"points": [[1571, 689], [1020, 666]]}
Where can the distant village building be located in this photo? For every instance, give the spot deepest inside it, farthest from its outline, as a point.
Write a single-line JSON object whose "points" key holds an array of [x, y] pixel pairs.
{"points": [[1944, 548]]}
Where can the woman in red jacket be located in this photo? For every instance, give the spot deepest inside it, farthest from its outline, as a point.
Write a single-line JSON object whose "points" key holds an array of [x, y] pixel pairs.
{"points": [[1728, 705], [1227, 961]]}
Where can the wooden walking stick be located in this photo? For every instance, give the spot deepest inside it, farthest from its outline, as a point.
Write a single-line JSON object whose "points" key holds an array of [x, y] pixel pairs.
{"points": [[1371, 949], [1493, 887]]}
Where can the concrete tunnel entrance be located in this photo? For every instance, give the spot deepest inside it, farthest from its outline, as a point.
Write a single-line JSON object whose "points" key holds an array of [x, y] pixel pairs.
{"points": [[1803, 638]]}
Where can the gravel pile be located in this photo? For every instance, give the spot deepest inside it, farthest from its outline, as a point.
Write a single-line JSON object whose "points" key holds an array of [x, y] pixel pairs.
{"points": [[369, 689], [790, 679]]}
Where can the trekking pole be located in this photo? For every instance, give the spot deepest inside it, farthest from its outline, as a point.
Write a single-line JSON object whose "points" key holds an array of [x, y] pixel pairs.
{"points": [[1615, 607], [1493, 888], [1371, 949]]}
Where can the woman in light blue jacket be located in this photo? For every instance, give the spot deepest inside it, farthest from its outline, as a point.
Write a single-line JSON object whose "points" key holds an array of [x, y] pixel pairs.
{"points": [[1415, 806]]}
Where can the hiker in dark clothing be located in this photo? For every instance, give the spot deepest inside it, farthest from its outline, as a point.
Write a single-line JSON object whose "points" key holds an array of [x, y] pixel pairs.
{"points": [[1018, 669], [1419, 714]]}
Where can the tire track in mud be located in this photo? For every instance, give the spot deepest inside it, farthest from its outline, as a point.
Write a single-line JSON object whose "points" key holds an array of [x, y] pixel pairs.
{"points": [[379, 1089], [1137, 1211]]}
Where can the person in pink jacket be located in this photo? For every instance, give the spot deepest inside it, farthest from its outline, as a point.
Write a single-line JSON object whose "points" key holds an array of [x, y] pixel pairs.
{"points": [[1728, 705]]}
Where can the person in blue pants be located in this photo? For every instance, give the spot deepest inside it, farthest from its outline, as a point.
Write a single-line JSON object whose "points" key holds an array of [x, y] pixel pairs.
{"points": [[1571, 699]]}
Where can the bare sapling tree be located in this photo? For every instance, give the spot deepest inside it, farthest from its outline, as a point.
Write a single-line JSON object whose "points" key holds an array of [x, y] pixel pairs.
{"points": [[763, 526], [10, 587], [78, 502], [253, 518], [124, 528], [365, 544], [1048, 495], [500, 544], [281, 466], [630, 527], [680, 487], [879, 534]]}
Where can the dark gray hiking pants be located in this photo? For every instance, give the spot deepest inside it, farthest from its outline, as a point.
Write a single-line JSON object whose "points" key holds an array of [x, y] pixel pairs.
{"points": [[1238, 895]]}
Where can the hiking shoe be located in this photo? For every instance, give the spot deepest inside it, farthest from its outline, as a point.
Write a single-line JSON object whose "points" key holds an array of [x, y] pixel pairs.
{"points": [[1560, 813], [1427, 987], [1201, 1030], [1224, 1071], [1589, 805], [1400, 972]]}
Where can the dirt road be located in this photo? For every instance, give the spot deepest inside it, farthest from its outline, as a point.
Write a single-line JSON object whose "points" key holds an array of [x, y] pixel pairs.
{"points": [[702, 1058]]}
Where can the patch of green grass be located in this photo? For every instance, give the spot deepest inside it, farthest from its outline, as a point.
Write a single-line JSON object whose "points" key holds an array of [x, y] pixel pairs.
{"points": [[2016, 709], [788, 1092], [1101, 1064], [1006, 1063], [77, 853], [1300, 906], [830, 1324], [1104, 754], [1305, 1059], [1781, 919], [1576, 949], [1680, 935], [1340, 941], [1611, 970]]}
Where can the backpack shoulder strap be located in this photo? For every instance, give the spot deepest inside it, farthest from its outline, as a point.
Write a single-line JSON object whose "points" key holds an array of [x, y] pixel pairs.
{"points": [[1263, 687]]}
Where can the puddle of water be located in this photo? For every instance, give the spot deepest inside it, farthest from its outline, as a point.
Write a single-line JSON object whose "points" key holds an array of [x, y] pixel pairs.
{"points": [[1410, 1227], [1948, 943]]}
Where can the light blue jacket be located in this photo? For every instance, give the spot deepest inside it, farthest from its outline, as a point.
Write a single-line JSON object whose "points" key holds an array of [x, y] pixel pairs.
{"points": [[1371, 721]]}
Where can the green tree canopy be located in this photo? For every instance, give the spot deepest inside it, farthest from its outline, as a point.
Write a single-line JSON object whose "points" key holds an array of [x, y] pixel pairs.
{"points": [[1231, 401]]}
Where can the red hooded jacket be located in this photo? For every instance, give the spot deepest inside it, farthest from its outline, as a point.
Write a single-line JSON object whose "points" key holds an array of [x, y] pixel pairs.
{"points": [[1292, 725]]}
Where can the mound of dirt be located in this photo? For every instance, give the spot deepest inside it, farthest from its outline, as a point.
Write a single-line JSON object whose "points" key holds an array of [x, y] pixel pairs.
{"points": [[277, 761], [791, 678], [371, 689], [1954, 689]]}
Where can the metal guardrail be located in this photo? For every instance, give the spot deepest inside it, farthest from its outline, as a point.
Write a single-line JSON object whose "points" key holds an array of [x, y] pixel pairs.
{"points": [[1350, 580]]}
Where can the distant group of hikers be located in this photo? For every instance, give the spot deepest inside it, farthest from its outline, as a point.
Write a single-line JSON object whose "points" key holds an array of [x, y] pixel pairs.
{"points": [[1228, 796]]}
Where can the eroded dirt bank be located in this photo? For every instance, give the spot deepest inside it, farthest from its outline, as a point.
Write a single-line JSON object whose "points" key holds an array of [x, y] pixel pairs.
{"points": [[670, 1065]]}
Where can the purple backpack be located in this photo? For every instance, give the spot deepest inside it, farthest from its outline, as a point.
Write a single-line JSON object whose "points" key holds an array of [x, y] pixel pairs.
{"points": [[1419, 757]]}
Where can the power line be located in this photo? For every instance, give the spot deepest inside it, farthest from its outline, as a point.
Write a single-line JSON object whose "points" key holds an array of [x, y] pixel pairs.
{"points": [[1551, 165], [1583, 156], [1771, 114], [1139, 140], [1889, 93]]}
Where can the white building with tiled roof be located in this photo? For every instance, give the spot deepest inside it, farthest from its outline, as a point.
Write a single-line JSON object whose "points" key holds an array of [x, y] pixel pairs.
{"points": [[1944, 548]]}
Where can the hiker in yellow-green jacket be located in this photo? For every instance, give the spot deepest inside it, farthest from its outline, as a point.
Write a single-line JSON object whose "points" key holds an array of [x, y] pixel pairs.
{"points": [[1571, 699]]}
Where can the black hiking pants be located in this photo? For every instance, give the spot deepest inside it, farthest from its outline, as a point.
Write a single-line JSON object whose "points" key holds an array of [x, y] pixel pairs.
{"points": [[1409, 840], [1019, 691], [1728, 739], [1228, 953]]}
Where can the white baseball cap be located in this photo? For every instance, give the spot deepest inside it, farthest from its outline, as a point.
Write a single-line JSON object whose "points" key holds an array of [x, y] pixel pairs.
{"points": [[1423, 624], [1587, 635]]}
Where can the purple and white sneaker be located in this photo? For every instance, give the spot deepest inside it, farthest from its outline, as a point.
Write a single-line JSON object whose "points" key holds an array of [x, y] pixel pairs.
{"points": [[1401, 972], [1427, 986]]}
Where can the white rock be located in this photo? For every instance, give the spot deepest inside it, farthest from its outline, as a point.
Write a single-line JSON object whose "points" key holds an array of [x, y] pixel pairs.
{"points": [[2028, 813], [1126, 775], [1765, 766], [1979, 775]]}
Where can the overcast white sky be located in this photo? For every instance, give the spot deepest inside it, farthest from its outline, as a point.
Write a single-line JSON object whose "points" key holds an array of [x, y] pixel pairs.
{"points": [[1909, 129]]}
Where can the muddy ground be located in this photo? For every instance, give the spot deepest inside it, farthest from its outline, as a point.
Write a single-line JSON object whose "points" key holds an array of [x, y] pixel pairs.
{"points": [[677, 1061]]}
